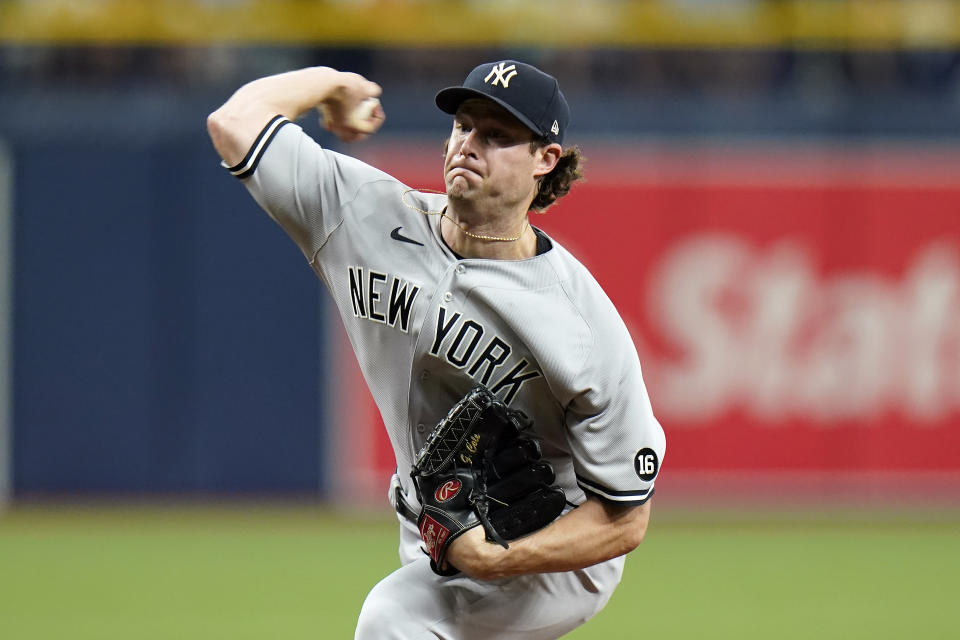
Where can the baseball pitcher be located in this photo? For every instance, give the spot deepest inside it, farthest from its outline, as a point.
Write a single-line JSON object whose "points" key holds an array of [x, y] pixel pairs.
{"points": [[510, 388]]}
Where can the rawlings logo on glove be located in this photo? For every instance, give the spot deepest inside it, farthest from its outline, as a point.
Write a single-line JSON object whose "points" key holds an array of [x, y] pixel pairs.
{"points": [[447, 490], [479, 467]]}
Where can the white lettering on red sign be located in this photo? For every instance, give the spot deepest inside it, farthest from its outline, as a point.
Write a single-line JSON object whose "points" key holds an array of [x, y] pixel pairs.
{"points": [[767, 330]]}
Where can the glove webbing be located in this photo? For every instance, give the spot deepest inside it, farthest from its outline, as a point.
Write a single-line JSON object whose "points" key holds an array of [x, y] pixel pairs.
{"points": [[482, 506]]}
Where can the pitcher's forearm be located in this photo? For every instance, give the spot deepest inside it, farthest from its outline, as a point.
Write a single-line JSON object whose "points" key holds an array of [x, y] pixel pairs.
{"points": [[592, 533], [235, 125]]}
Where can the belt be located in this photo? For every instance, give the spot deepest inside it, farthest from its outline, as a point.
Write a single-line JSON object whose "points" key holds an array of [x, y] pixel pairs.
{"points": [[404, 508]]}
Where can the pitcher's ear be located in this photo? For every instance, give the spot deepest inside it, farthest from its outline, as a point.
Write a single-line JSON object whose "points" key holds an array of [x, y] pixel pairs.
{"points": [[547, 158]]}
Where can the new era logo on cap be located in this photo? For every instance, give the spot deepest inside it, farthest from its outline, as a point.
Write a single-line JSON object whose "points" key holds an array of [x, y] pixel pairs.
{"points": [[532, 96]]}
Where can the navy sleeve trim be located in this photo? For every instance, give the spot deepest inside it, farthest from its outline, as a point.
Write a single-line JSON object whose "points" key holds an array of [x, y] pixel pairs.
{"points": [[632, 498], [246, 167]]}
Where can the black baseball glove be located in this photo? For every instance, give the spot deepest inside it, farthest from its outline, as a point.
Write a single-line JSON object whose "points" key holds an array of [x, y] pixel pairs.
{"points": [[480, 466]]}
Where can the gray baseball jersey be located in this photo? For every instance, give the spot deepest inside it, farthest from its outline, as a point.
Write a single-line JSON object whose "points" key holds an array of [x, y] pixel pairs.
{"points": [[426, 325]]}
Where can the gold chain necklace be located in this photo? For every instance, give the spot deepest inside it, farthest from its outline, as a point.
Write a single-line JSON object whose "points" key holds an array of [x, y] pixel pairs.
{"points": [[443, 214]]}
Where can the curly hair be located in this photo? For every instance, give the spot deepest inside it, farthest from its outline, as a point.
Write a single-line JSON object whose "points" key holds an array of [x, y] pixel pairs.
{"points": [[558, 182]]}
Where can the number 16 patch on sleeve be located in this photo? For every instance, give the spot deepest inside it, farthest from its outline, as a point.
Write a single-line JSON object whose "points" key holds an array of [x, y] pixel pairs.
{"points": [[646, 464]]}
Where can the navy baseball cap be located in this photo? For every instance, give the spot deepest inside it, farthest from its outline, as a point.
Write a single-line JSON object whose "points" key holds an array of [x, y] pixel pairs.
{"points": [[531, 95]]}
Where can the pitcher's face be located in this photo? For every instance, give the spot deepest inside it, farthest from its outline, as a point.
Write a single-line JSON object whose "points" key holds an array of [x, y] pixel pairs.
{"points": [[489, 156]]}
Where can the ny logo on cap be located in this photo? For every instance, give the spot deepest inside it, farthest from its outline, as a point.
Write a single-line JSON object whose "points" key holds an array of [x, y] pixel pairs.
{"points": [[499, 71]]}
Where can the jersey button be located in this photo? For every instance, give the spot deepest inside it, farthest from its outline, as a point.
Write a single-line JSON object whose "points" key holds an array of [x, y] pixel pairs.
{"points": [[447, 297], [421, 428], [461, 270], [424, 374]]}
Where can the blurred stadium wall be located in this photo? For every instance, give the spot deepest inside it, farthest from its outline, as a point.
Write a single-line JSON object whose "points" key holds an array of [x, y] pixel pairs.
{"points": [[773, 202]]}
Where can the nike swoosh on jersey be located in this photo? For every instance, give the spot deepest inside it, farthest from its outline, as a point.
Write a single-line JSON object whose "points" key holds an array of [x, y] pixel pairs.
{"points": [[395, 234]]}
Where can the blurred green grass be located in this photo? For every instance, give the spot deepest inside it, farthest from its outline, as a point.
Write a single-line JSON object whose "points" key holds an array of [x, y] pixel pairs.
{"points": [[301, 571]]}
